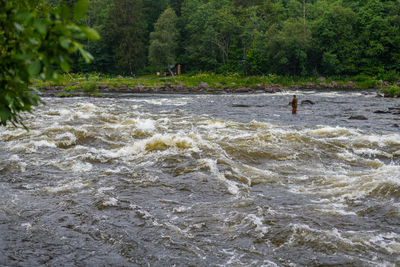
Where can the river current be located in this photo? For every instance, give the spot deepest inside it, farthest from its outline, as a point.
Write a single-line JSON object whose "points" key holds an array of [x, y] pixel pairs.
{"points": [[202, 180]]}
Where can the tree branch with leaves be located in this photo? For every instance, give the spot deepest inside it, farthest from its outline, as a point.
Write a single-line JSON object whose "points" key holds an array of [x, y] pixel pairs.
{"points": [[35, 41]]}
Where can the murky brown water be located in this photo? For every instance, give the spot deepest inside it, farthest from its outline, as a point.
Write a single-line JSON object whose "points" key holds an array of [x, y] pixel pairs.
{"points": [[202, 180]]}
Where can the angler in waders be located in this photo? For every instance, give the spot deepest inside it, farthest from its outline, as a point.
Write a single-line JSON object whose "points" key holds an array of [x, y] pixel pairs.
{"points": [[294, 104]]}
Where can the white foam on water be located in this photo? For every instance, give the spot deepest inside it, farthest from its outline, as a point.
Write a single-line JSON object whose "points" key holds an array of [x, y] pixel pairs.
{"points": [[66, 138], [43, 143], [22, 165], [336, 209], [81, 115], [215, 124], [21, 146], [72, 164], [163, 101], [347, 156], [181, 209], [111, 202], [389, 241], [143, 213], [113, 171], [371, 152], [145, 125], [231, 185], [27, 226], [380, 140], [160, 142], [71, 185], [268, 263], [15, 158], [328, 94], [338, 131], [303, 232], [234, 259], [84, 111], [258, 222], [101, 190], [6, 135], [88, 107], [108, 154], [65, 114], [81, 167], [338, 187]]}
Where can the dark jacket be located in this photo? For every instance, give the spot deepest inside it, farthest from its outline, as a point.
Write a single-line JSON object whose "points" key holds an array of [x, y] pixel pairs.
{"points": [[294, 103]]}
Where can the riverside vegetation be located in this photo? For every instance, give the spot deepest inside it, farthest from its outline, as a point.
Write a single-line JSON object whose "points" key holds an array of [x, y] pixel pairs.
{"points": [[76, 84]]}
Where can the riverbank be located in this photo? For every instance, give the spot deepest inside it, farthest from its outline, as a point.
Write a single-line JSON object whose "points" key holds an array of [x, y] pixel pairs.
{"points": [[72, 85]]}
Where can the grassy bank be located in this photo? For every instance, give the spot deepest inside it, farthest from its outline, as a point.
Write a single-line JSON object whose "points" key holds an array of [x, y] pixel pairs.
{"points": [[75, 82]]}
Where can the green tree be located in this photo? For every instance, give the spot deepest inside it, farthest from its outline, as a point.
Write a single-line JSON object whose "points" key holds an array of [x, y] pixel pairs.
{"points": [[127, 34], [212, 31], [377, 38], [334, 41], [256, 21], [97, 18], [288, 48], [34, 40], [164, 41], [199, 54]]}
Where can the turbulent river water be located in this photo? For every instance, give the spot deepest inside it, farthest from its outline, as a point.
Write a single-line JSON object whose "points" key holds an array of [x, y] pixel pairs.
{"points": [[202, 180]]}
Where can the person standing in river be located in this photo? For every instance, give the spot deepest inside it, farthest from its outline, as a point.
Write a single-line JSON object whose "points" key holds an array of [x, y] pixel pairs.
{"points": [[294, 104]]}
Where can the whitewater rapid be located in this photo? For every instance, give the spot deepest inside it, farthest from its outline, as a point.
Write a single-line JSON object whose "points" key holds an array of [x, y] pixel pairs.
{"points": [[202, 180]]}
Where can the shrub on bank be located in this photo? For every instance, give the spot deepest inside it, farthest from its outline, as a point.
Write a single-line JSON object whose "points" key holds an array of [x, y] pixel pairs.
{"points": [[392, 91], [90, 88]]}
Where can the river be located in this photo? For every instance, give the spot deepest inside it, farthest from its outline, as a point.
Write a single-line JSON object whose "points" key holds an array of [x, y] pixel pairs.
{"points": [[202, 180]]}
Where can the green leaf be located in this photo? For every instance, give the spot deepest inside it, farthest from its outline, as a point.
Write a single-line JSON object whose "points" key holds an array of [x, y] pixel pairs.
{"points": [[24, 16], [34, 68], [19, 27], [41, 27], [64, 65], [90, 33], [23, 56], [86, 55], [33, 41], [80, 9], [65, 12], [64, 42]]}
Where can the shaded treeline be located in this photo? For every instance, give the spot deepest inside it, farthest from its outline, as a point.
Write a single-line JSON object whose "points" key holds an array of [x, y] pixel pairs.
{"points": [[285, 37]]}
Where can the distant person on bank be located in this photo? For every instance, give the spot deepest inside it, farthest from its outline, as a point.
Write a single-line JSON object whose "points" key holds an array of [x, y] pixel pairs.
{"points": [[294, 104]]}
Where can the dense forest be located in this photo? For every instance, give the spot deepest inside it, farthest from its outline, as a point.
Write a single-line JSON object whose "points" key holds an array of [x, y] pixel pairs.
{"points": [[251, 37]]}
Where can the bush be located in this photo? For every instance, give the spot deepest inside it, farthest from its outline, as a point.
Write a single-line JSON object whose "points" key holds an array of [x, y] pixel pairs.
{"points": [[392, 91], [90, 88]]}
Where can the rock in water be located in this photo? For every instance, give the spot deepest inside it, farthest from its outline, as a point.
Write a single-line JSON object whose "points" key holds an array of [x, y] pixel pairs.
{"points": [[358, 117], [307, 102]]}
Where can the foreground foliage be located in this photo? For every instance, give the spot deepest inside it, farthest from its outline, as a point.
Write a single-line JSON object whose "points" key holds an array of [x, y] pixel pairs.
{"points": [[34, 39]]}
